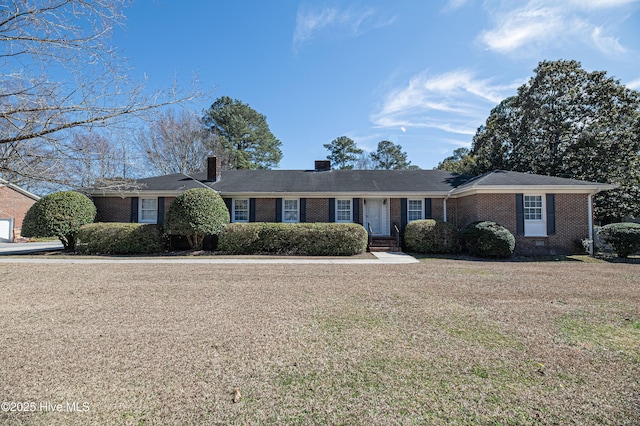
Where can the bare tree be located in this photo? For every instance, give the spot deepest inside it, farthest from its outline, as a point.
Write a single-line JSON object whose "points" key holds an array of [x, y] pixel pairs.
{"points": [[179, 142], [58, 72]]}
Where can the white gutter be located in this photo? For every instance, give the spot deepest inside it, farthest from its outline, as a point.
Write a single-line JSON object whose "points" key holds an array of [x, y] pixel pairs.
{"points": [[590, 209]]}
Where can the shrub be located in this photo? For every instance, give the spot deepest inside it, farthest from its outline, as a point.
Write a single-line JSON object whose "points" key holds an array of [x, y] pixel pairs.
{"points": [[623, 237], [60, 215], [488, 239], [308, 239], [119, 238], [195, 214], [430, 236]]}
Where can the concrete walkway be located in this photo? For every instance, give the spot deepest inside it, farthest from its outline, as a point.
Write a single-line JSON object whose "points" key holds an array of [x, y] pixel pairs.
{"points": [[381, 259], [26, 248]]}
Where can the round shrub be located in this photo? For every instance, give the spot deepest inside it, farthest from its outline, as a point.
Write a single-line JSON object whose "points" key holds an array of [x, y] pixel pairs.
{"points": [[488, 239], [431, 236], [195, 214], [623, 237], [119, 238], [60, 215], [305, 239]]}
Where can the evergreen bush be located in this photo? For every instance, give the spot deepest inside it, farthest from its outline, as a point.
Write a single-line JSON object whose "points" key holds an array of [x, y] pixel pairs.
{"points": [[623, 237], [306, 239], [195, 214], [488, 239], [60, 215], [431, 236], [119, 238]]}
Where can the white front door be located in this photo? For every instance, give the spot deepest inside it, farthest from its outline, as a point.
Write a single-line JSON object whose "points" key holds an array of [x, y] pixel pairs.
{"points": [[376, 215]]}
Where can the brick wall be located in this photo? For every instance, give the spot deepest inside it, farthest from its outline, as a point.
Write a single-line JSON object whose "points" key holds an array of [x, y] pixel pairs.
{"points": [[395, 213], [14, 205], [571, 220], [265, 209], [113, 209], [317, 210]]}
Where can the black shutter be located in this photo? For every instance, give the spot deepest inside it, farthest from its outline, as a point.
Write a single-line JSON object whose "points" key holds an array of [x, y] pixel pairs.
{"points": [[303, 209], [355, 207], [519, 214], [428, 213], [551, 214], [160, 220], [134, 210], [252, 209], [403, 213], [278, 209], [228, 202], [332, 209]]}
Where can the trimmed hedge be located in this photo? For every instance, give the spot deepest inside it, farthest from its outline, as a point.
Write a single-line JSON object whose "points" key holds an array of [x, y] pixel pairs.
{"points": [[431, 236], [306, 239], [119, 238], [195, 214], [60, 215], [623, 237], [488, 239]]}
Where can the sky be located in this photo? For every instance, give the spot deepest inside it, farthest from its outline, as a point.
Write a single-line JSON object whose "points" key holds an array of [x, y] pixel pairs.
{"points": [[422, 74]]}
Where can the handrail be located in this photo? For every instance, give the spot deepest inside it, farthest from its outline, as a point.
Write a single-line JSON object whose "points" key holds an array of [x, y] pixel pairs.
{"points": [[395, 227], [370, 233]]}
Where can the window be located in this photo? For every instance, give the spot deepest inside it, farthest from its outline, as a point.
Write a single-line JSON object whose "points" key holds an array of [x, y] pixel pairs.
{"points": [[343, 211], [240, 210], [414, 210], [148, 210], [532, 207], [290, 211]]}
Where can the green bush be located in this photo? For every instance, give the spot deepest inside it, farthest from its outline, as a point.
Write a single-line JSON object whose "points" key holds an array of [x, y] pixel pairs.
{"points": [[488, 239], [623, 237], [60, 215], [431, 236], [306, 239], [195, 214], [119, 238]]}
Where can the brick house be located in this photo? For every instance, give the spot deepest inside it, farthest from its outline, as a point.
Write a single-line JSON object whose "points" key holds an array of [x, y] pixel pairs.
{"points": [[14, 204], [546, 214]]}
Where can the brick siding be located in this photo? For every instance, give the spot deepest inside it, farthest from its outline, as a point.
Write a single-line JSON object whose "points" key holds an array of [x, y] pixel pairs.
{"points": [[113, 209], [14, 204], [317, 210], [265, 209]]}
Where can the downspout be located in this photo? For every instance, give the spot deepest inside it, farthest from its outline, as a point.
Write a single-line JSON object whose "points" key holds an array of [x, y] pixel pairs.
{"points": [[590, 209], [444, 205]]}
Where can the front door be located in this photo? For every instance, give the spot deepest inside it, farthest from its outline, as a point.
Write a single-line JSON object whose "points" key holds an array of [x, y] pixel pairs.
{"points": [[376, 216]]}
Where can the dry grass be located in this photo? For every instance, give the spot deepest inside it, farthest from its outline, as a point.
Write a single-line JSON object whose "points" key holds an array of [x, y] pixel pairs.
{"points": [[440, 342]]}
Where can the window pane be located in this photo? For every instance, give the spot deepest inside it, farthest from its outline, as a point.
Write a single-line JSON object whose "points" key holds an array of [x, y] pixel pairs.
{"points": [[291, 204], [533, 207], [414, 215], [415, 205], [148, 203]]}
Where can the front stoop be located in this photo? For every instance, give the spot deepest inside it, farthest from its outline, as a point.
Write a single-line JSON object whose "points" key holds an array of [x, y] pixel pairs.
{"points": [[383, 244]]}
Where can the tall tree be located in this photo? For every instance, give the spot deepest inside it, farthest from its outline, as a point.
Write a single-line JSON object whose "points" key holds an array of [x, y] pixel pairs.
{"points": [[390, 156], [179, 142], [244, 134], [462, 161], [570, 123], [344, 153], [58, 72]]}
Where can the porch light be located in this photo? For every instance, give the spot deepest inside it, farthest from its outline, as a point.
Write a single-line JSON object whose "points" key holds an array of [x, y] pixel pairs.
{"points": [[384, 201]]}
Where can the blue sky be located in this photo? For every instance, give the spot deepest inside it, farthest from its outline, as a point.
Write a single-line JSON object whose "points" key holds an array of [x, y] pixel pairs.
{"points": [[422, 74]]}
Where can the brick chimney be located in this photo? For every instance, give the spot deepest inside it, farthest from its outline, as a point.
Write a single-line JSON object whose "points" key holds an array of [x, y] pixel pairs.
{"points": [[213, 169], [323, 165]]}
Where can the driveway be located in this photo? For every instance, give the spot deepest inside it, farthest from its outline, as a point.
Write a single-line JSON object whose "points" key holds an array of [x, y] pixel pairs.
{"points": [[26, 248]]}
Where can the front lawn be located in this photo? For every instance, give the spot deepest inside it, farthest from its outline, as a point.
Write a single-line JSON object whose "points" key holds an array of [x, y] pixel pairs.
{"points": [[440, 342]]}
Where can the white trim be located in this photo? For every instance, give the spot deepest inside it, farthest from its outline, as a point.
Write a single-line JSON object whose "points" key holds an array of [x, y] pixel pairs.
{"points": [[233, 210], [350, 200], [421, 200], [385, 220], [140, 210], [514, 189], [284, 209], [537, 228]]}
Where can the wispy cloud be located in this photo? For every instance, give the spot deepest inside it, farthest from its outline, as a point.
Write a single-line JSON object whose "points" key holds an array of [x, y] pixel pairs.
{"points": [[634, 84], [454, 102], [353, 21], [455, 4], [542, 23]]}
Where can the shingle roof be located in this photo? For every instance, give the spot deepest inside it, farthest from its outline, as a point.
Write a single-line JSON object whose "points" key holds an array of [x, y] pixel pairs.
{"points": [[356, 181], [503, 178], [337, 181]]}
